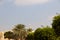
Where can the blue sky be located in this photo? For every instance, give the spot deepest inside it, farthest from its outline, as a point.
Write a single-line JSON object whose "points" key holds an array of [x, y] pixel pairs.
{"points": [[32, 13]]}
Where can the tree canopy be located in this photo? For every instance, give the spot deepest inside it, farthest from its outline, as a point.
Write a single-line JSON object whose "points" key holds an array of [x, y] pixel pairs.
{"points": [[20, 31], [56, 24], [44, 34], [30, 36], [9, 35]]}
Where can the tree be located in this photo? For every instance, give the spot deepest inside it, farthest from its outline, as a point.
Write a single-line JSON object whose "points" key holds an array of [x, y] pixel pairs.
{"points": [[37, 34], [48, 33], [29, 30], [44, 34], [9, 35], [30, 36], [20, 31], [15, 37], [56, 24]]}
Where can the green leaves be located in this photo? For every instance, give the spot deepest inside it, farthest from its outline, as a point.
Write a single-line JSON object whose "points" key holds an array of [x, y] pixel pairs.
{"points": [[9, 35], [56, 24], [44, 34], [30, 36]]}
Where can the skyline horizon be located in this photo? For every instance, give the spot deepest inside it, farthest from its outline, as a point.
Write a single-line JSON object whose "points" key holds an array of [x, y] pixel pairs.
{"points": [[32, 13]]}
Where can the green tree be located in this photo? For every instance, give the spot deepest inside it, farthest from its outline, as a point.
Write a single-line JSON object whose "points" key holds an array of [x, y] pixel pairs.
{"points": [[37, 34], [56, 24], [9, 35], [30, 36], [44, 34], [20, 31]]}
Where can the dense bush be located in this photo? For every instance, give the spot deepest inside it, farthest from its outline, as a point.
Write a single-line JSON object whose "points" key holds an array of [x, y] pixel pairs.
{"points": [[30, 36], [56, 24], [44, 34]]}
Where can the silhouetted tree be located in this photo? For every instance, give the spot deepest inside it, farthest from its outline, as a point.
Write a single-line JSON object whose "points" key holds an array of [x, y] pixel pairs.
{"points": [[9, 35], [56, 24]]}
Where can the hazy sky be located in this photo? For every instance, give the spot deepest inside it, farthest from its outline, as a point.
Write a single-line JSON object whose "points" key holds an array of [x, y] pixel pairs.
{"points": [[32, 13]]}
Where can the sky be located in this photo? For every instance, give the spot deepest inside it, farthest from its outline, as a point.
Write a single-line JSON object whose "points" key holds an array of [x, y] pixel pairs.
{"points": [[32, 13]]}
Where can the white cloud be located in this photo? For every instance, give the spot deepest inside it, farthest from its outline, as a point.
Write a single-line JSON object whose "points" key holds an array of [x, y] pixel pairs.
{"points": [[30, 2]]}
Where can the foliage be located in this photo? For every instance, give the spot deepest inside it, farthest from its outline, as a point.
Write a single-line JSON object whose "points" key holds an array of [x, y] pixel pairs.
{"points": [[44, 34], [56, 24], [20, 31], [16, 37], [29, 30], [9, 35], [30, 36]]}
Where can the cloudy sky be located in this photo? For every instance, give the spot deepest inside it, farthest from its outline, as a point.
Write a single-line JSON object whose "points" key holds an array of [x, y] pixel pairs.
{"points": [[32, 13]]}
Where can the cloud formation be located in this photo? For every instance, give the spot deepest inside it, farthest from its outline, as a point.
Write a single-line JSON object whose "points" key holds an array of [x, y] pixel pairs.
{"points": [[30, 2]]}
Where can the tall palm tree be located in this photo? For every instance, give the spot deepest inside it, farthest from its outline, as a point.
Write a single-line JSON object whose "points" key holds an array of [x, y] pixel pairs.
{"points": [[20, 31]]}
